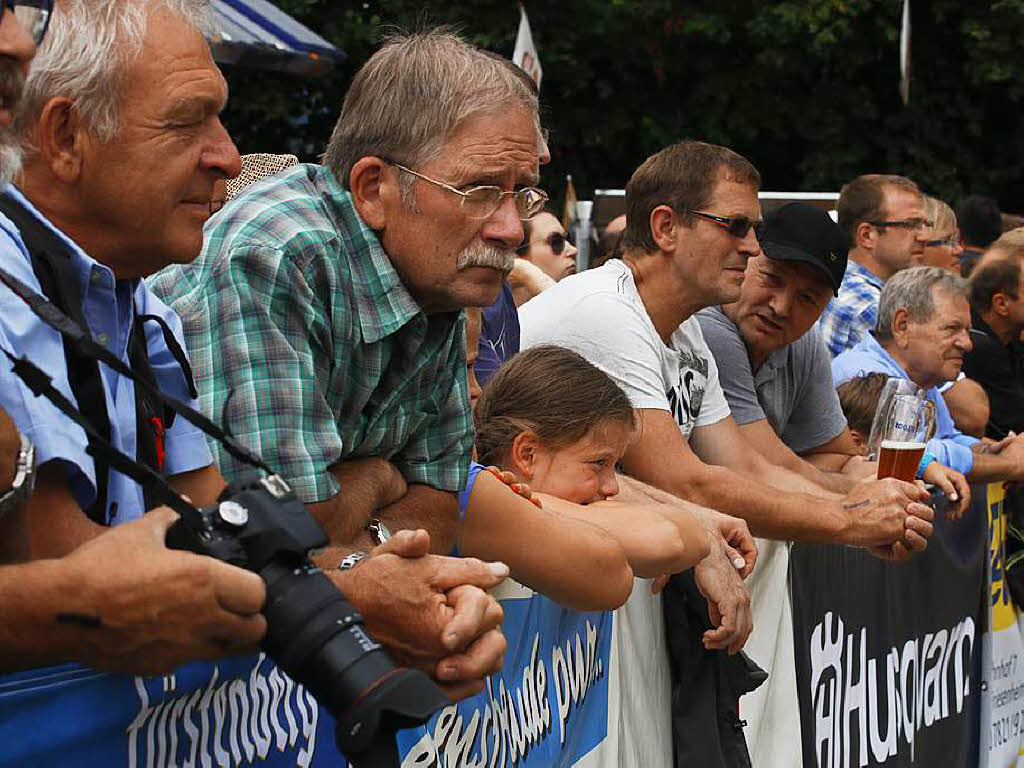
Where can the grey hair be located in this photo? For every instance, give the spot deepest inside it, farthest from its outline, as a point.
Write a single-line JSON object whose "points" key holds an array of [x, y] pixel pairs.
{"points": [[414, 93], [911, 289], [89, 48], [939, 213]]}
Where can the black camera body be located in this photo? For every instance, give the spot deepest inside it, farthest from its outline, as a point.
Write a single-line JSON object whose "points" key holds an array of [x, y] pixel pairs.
{"points": [[313, 633]]}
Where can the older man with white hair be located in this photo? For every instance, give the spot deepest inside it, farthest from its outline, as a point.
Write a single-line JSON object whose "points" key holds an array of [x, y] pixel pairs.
{"points": [[922, 334]]}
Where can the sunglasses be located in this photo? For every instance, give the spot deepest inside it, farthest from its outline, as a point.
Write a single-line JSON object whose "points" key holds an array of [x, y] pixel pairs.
{"points": [[737, 226], [556, 241], [33, 15]]}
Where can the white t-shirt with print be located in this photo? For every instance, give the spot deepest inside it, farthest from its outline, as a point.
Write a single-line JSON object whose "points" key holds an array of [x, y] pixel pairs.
{"points": [[599, 314]]}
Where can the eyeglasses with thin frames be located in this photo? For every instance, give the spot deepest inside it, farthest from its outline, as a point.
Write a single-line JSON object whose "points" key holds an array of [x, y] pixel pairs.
{"points": [[33, 15], [737, 226], [481, 202], [952, 241], [908, 224]]}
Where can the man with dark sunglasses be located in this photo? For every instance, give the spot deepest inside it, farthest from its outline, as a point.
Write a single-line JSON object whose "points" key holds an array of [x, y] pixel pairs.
{"points": [[884, 216], [691, 215]]}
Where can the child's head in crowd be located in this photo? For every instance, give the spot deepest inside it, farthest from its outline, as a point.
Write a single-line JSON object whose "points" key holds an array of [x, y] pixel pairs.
{"points": [[557, 422], [858, 398], [474, 319]]}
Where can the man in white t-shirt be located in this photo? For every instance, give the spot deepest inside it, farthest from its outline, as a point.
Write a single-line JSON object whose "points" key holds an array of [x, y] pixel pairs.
{"points": [[691, 211]]}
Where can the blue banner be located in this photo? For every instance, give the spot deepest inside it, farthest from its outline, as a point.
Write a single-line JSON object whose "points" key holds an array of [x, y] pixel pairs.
{"points": [[547, 707], [237, 712]]}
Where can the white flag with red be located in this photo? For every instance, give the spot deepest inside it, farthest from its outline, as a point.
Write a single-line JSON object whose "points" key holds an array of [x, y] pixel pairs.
{"points": [[525, 55]]}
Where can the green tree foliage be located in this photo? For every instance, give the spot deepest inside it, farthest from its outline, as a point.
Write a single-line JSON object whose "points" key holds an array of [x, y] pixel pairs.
{"points": [[807, 89]]}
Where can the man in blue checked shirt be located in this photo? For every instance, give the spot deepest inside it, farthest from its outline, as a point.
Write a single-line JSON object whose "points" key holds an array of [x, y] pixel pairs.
{"points": [[922, 334], [884, 217]]}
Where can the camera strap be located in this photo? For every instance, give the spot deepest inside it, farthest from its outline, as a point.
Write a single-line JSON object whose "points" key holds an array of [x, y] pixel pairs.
{"points": [[41, 385], [82, 340]]}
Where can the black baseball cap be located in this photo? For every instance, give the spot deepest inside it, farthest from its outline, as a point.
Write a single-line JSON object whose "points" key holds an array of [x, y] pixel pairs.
{"points": [[802, 232]]}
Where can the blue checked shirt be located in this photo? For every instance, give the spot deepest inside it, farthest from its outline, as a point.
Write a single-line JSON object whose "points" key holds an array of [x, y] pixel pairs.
{"points": [[295, 310], [949, 446], [852, 314]]}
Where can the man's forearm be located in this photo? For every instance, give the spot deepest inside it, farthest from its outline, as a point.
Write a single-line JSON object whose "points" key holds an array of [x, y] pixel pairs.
{"points": [[833, 481], [769, 513], [367, 485], [799, 477], [31, 596], [425, 507], [843, 470], [992, 467]]}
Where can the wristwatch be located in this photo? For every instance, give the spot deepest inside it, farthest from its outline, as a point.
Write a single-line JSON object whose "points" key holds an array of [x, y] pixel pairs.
{"points": [[379, 532], [24, 478], [350, 561]]}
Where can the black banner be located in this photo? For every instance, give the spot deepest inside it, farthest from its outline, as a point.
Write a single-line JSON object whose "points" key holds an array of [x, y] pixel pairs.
{"points": [[888, 655]]}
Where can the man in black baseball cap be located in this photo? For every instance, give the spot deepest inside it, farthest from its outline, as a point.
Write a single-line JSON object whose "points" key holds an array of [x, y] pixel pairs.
{"points": [[773, 363]]}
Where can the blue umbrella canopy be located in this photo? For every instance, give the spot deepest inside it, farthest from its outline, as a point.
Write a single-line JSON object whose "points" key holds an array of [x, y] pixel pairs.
{"points": [[256, 33]]}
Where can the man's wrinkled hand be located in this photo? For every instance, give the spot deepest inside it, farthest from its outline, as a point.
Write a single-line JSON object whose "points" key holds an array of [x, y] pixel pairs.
{"points": [[431, 612], [728, 601], [733, 535], [876, 513], [147, 609]]}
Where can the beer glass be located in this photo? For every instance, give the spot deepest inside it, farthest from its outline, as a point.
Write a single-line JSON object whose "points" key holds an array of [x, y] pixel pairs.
{"points": [[903, 425]]}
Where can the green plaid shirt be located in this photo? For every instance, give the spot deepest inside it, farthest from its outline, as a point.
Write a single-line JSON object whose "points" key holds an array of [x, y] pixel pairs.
{"points": [[295, 310]]}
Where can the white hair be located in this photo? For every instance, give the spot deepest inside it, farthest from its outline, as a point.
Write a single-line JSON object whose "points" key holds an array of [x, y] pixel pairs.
{"points": [[89, 48], [911, 289]]}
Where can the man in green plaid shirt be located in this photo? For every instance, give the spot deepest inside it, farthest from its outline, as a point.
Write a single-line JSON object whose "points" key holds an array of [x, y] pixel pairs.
{"points": [[323, 317]]}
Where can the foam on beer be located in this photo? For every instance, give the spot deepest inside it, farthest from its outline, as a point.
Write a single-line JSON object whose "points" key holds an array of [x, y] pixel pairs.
{"points": [[901, 445]]}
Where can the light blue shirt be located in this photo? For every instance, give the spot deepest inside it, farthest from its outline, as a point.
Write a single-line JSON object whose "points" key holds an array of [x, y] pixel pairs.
{"points": [[949, 446], [108, 310]]}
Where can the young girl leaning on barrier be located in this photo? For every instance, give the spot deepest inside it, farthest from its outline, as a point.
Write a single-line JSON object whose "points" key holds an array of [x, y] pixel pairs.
{"points": [[551, 420]]}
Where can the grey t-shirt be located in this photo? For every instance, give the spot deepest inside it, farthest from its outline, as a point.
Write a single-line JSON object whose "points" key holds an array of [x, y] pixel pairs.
{"points": [[792, 389]]}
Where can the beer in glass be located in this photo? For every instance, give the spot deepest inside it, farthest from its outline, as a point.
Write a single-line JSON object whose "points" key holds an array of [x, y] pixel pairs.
{"points": [[904, 422], [899, 460]]}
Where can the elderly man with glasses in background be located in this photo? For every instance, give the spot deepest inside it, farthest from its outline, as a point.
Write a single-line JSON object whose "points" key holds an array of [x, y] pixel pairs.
{"points": [[327, 301]]}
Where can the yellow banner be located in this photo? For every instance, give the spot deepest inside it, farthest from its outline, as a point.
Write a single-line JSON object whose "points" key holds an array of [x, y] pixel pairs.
{"points": [[1004, 614]]}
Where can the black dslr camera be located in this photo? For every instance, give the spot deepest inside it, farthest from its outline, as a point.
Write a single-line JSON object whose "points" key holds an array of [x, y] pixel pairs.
{"points": [[313, 633]]}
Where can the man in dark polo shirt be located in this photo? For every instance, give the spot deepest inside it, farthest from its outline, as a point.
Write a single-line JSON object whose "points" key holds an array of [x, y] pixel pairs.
{"points": [[997, 319]]}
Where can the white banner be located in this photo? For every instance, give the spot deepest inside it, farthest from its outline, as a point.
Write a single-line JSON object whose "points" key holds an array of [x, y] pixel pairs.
{"points": [[525, 55]]}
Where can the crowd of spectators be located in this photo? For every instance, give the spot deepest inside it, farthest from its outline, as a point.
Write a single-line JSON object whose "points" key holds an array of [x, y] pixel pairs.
{"points": [[400, 332]]}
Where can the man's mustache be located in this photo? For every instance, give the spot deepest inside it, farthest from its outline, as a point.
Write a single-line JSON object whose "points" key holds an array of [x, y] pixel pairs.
{"points": [[480, 254]]}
